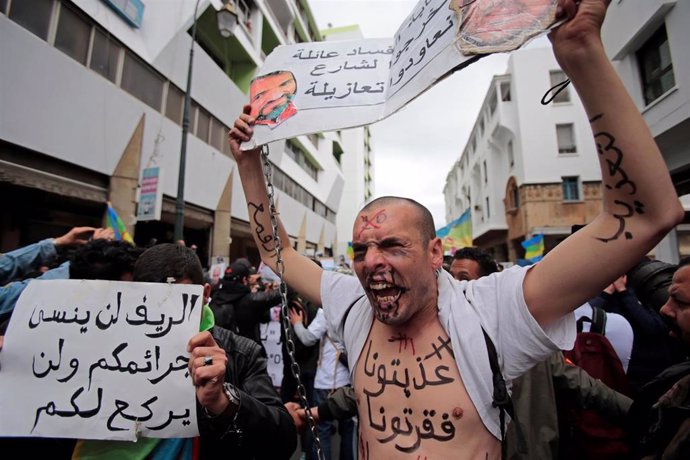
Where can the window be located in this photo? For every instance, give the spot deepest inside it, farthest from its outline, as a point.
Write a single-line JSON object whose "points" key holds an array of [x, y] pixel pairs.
{"points": [[173, 104], [656, 68], [314, 139], [141, 82], [571, 188], [505, 91], [511, 154], [558, 77], [566, 138], [33, 16], [488, 210], [481, 125], [203, 123], [493, 102], [104, 55], [217, 134], [72, 36], [486, 173], [512, 199], [295, 152]]}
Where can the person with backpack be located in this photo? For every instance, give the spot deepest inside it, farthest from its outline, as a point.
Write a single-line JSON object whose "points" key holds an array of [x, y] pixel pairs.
{"points": [[614, 327], [652, 349], [584, 432]]}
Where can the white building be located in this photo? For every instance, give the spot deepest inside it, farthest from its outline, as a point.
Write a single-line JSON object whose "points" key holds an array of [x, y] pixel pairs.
{"points": [[527, 168], [647, 41], [357, 161], [92, 94]]}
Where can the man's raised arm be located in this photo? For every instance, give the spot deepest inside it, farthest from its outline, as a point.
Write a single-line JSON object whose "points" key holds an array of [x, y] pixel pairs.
{"points": [[640, 204], [301, 273]]}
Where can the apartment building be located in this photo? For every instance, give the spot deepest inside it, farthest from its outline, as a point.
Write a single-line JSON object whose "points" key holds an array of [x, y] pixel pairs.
{"points": [[647, 41], [527, 168], [357, 161], [92, 95]]}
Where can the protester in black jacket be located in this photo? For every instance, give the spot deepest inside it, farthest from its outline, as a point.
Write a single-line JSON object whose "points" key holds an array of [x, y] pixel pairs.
{"points": [[261, 415], [237, 308], [238, 409]]}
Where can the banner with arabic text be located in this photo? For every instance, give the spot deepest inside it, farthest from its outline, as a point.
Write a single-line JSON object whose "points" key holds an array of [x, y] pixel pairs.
{"points": [[100, 360], [320, 86]]}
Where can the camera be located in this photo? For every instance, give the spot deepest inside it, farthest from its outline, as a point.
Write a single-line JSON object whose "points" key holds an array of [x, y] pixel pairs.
{"points": [[650, 279]]}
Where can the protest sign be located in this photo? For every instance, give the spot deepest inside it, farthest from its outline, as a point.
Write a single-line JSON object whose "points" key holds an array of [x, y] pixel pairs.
{"points": [[100, 360], [320, 86]]}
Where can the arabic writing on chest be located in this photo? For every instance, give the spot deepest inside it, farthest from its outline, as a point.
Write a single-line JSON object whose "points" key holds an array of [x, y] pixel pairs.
{"points": [[401, 391]]}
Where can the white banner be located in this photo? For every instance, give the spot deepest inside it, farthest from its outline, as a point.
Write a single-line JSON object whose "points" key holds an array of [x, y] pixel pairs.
{"points": [[320, 86], [100, 360]]}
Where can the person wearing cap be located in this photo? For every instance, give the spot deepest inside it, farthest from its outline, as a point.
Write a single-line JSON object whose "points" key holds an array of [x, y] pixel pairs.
{"points": [[238, 308]]}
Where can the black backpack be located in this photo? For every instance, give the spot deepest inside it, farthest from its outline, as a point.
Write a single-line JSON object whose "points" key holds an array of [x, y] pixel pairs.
{"points": [[224, 316]]}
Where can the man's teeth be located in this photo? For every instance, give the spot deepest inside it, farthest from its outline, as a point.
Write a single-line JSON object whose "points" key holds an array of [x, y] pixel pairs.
{"points": [[386, 299], [380, 285]]}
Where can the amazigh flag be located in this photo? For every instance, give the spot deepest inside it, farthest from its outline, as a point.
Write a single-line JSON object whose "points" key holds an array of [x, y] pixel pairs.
{"points": [[458, 233], [534, 248], [114, 222], [350, 251]]}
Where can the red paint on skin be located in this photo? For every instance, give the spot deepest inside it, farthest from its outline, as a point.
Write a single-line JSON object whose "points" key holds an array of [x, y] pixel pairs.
{"points": [[370, 224]]}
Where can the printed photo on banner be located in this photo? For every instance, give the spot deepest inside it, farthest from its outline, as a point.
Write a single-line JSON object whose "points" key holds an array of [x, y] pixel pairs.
{"points": [[321, 86], [100, 360]]}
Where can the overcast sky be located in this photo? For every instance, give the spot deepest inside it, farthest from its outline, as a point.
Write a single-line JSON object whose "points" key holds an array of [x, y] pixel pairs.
{"points": [[415, 148]]}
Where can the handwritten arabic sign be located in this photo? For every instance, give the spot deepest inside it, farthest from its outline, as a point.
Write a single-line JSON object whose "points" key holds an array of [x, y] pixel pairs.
{"points": [[320, 86], [100, 360]]}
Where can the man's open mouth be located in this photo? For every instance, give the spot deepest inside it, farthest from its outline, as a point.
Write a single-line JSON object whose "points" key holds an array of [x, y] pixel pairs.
{"points": [[385, 293]]}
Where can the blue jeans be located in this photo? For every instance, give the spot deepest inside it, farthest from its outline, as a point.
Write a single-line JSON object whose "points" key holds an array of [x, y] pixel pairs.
{"points": [[346, 429]]}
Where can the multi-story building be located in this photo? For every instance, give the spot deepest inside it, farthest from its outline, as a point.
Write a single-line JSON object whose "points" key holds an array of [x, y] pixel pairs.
{"points": [[92, 93], [527, 168], [647, 42], [357, 161]]}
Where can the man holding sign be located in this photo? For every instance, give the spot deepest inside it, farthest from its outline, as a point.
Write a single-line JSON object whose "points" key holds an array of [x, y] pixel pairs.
{"points": [[135, 384], [413, 334]]}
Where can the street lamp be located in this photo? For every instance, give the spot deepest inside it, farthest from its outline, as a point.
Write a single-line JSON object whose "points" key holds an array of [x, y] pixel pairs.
{"points": [[227, 24]]}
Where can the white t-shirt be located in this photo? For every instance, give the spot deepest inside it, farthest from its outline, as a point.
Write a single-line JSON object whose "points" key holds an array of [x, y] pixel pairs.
{"points": [[618, 331], [330, 373], [495, 302]]}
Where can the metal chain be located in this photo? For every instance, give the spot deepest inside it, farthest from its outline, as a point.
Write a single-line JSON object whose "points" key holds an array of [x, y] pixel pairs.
{"points": [[280, 268]]}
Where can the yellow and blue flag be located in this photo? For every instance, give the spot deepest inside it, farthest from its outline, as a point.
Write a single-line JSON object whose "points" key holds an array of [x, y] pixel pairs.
{"points": [[114, 222], [534, 249], [457, 234]]}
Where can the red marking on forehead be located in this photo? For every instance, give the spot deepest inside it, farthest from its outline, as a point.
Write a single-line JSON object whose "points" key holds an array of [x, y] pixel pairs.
{"points": [[373, 222]]}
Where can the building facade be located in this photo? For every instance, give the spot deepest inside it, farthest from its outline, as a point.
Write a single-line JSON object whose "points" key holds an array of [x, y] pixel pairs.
{"points": [[647, 42], [527, 168], [93, 93], [357, 161]]}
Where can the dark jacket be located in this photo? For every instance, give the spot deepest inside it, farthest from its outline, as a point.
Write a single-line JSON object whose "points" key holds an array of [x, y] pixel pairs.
{"points": [[262, 427], [660, 417], [653, 350], [534, 398], [249, 308]]}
